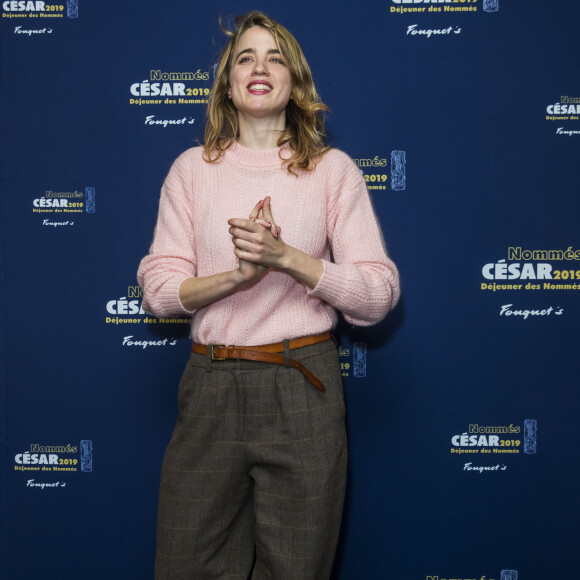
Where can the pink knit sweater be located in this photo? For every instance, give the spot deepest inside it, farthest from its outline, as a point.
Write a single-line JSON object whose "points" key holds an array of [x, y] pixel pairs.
{"points": [[322, 211]]}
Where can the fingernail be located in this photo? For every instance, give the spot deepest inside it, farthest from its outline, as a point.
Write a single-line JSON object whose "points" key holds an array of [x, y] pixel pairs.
{"points": [[269, 223]]}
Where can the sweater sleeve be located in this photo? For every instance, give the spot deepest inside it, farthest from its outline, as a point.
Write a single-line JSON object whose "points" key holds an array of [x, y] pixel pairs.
{"points": [[172, 258], [360, 281]]}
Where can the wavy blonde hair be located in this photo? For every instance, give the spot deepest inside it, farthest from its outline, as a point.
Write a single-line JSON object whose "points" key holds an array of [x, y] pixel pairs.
{"points": [[304, 130]]}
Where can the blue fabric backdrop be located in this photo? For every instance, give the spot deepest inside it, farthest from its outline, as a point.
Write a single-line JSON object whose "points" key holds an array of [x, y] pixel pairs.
{"points": [[464, 116]]}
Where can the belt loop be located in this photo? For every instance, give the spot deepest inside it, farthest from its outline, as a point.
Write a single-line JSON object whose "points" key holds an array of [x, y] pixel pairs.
{"points": [[287, 354], [208, 356]]}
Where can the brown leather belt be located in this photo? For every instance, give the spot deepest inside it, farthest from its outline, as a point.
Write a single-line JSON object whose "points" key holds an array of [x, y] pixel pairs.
{"points": [[265, 353]]}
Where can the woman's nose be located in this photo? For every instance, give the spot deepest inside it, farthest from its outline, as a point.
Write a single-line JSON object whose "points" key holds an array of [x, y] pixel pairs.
{"points": [[260, 68]]}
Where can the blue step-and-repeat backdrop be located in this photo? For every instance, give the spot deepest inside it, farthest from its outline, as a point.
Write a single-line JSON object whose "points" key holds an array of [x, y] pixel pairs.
{"points": [[463, 405]]}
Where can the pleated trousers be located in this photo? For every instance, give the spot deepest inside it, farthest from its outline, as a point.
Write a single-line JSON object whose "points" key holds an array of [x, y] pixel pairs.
{"points": [[254, 476]]}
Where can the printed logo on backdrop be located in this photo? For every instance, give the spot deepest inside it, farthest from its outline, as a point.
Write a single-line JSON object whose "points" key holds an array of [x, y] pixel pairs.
{"points": [[353, 360], [42, 462], [63, 209], [168, 89], [376, 171], [25, 14], [487, 449], [525, 274], [443, 8], [504, 575], [127, 312], [564, 114]]}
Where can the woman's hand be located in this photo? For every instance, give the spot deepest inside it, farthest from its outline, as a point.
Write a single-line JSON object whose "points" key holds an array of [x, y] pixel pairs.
{"points": [[262, 214], [257, 239], [257, 242], [248, 270]]}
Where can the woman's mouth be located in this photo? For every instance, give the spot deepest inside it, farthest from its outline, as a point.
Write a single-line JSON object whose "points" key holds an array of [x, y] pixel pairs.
{"points": [[259, 88]]}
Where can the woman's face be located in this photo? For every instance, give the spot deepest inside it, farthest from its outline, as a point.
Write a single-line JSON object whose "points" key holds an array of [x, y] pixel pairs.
{"points": [[260, 84]]}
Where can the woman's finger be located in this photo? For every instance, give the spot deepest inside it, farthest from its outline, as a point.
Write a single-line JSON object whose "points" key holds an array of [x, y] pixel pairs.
{"points": [[264, 223], [243, 224], [256, 211], [267, 215]]}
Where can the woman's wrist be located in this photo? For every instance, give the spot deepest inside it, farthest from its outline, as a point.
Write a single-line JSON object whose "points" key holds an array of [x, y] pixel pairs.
{"points": [[196, 293], [302, 267]]}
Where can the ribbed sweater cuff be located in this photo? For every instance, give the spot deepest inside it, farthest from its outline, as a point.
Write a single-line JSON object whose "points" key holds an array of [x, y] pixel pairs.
{"points": [[168, 297], [331, 283]]}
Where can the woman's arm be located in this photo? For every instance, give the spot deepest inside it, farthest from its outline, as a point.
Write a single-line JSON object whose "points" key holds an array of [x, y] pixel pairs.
{"points": [[168, 274], [361, 281], [196, 293]]}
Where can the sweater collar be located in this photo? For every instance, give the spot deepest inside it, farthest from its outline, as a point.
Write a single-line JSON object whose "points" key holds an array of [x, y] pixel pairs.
{"points": [[257, 158]]}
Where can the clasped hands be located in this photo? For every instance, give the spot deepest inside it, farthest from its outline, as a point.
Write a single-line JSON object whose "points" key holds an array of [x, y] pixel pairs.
{"points": [[257, 241]]}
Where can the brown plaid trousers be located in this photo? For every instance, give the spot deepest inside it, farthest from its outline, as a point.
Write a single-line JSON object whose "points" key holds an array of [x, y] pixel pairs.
{"points": [[253, 479]]}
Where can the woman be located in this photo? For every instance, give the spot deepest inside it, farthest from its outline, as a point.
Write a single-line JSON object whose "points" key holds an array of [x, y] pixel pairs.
{"points": [[254, 475]]}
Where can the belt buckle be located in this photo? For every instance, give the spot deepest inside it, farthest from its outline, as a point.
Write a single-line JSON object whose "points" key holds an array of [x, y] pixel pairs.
{"points": [[213, 357]]}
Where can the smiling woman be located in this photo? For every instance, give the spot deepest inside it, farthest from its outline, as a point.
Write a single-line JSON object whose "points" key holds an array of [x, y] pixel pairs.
{"points": [[253, 479], [260, 88], [304, 122]]}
